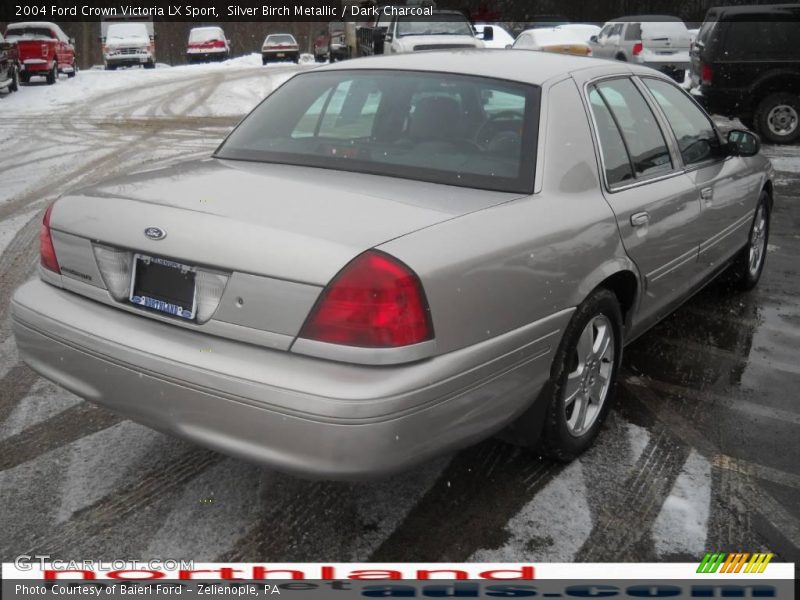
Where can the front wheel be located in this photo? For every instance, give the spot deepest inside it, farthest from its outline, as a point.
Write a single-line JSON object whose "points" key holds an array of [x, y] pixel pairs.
{"points": [[14, 85], [74, 71], [777, 118], [748, 266], [583, 377]]}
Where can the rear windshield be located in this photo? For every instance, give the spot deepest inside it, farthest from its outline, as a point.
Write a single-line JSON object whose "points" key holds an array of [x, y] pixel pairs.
{"points": [[435, 24], [706, 28], [29, 33], [280, 39], [205, 35], [444, 128]]}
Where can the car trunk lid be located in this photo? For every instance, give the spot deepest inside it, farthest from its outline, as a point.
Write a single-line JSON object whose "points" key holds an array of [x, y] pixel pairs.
{"points": [[287, 222]]}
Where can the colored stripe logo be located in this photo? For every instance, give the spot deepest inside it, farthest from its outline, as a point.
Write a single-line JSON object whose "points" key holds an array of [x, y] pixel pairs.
{"points": [[736, 562]]}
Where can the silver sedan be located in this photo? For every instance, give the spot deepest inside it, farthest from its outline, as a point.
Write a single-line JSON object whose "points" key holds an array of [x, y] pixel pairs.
{"points": [[394, 257]]}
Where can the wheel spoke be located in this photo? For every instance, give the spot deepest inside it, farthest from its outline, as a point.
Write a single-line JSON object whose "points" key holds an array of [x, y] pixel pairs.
{"points": [[581, 408], [572, 388], [585, 344], [601, 342]]}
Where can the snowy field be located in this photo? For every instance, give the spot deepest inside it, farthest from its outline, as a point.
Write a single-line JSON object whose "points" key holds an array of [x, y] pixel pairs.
{"points": [[673, 474]]}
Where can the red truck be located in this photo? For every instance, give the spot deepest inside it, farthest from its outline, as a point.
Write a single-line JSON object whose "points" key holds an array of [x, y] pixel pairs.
{"points": [[44, 50]]}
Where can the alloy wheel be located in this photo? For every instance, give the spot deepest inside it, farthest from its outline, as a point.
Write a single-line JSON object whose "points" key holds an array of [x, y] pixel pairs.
{"points": [[758, 241], [589, 382]]}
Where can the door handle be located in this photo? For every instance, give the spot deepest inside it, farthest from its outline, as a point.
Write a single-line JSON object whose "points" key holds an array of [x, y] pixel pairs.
{"points": [[640, 219], [707, 194]]}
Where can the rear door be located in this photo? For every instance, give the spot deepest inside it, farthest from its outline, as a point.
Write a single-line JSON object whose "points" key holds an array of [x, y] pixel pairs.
{"points": [[726, 190], [655, 203]]}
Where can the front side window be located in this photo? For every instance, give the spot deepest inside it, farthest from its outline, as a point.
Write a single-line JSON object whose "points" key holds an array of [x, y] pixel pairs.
{"points": [[642, 135], [697, 138], [454, 129]]}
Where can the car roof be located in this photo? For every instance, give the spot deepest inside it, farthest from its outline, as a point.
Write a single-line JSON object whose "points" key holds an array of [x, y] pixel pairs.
{"points": [[43, 24], [645, 19], [524, 66], [755, 9]]}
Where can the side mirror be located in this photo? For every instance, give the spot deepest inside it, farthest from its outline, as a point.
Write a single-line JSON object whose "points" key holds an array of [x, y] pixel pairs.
{"points": [[488, 33], [72, 41], [593, 39], [743, 143]]}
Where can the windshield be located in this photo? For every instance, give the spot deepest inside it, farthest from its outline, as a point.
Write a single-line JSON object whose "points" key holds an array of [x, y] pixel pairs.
{"points": [[435, 24], [127, 30], [454, 129], [205, 35], [29, 33], [280, 39]]}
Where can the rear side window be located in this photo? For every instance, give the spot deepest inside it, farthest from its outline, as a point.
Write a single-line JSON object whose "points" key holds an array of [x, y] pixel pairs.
{"points": [[615, 157], [643, 138], [697, 138], [633, 32], [766, 36]]}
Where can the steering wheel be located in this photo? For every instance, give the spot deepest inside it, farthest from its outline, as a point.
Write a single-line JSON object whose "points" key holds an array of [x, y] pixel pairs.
{"points": [[481, 136]]}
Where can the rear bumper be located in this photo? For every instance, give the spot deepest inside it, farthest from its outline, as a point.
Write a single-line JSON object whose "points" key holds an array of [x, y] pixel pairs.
{"points": [[728, 103], [295, 413], [280, 54], [34, 66]]}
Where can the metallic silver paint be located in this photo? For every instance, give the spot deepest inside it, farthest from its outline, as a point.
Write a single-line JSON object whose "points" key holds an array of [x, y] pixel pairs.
{"points": [[503, 274]]}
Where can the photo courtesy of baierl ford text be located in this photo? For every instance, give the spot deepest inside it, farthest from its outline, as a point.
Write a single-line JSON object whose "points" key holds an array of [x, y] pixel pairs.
{"points": [[399, 299]]}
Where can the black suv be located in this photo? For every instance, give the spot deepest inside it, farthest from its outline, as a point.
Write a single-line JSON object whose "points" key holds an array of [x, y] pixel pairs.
{"points": [[746, 64]]}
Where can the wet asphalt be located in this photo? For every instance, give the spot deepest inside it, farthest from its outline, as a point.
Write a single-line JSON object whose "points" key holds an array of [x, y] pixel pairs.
{"points": [[700, 452]]}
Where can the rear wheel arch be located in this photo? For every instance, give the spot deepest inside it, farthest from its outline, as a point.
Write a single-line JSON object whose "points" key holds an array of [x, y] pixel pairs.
{"points": [[625, 286], [772, 83]]}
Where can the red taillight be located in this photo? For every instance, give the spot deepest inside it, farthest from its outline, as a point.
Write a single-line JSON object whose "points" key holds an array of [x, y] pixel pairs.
{"points": [[217, 44], [637, 48], [374, 302], [47, 252], [44, 50], [706, 74]]}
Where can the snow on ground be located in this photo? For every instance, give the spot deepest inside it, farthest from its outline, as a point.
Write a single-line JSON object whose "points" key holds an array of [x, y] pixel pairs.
{"points": [[236, 98]]}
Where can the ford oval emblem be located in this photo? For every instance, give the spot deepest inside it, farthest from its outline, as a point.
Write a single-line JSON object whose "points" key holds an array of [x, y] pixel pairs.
{"points": [[155, 233]]}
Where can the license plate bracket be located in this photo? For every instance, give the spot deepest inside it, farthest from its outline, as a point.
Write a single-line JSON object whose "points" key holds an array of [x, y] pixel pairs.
{"points": [[164, 286]]}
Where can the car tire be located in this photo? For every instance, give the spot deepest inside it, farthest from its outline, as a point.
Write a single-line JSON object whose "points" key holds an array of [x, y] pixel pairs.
{"points": [[52, 75], [749, 264], [150, 65], [24, 77], [264, 60], [583, 377], [621, 57], [14, 85], [74, 71], [777, 118]]}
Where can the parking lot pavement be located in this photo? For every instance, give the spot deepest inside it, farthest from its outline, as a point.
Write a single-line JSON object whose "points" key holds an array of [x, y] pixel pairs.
{"points": [[699, 454]]}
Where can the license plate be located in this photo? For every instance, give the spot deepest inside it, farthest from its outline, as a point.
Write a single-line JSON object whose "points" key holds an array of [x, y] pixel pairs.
{"points": [[164, 286], [280, 54]]}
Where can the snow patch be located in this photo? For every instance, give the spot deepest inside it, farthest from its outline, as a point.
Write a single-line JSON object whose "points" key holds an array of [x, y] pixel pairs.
{"points": [[682, 525]]}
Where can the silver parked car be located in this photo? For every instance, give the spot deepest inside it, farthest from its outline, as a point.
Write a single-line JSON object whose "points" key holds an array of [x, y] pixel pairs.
{"points": [[657, 41], [394, 257]]}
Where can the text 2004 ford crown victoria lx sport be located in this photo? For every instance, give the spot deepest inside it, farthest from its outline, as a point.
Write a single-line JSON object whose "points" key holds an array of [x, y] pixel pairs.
{"points": [[398, 256]]}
